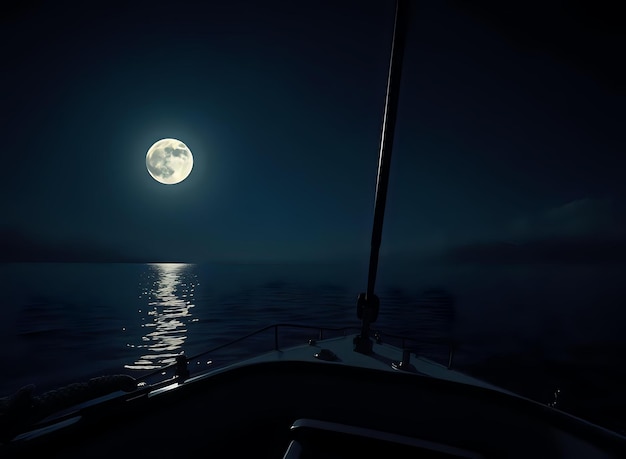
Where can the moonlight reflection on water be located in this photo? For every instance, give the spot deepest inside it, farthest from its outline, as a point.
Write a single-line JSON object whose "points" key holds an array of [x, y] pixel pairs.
{"points": [[169, 293]]}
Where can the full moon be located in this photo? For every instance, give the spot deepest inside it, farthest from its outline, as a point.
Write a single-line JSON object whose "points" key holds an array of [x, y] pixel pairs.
{"points": [[169, 161]]}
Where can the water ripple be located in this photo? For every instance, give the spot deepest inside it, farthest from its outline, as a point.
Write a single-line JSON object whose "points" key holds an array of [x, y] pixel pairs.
{"points": [[168, 292]]}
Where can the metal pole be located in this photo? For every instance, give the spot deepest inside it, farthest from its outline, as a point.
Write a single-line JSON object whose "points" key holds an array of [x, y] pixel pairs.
{"points": [[387, 137], [367, 309]]}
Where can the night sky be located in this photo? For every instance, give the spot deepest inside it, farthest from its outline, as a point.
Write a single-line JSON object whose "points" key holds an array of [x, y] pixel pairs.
{"points": [[509, 145]]}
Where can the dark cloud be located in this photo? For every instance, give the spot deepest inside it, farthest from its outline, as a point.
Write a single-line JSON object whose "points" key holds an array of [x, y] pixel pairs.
{"points": [[576, 219], [19, 246], [587, 231], [542, 251]]}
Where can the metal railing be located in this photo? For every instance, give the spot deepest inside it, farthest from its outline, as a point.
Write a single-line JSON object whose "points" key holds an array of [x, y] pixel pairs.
{"points": [[412, 345], [144, 388], [452, 344]]}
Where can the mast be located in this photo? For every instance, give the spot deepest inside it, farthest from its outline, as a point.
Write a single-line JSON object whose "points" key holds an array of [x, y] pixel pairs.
{"points": [[368, 303]]}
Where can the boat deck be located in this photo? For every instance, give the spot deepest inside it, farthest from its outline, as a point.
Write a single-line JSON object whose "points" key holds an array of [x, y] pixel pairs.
{"points": [[382, 358], [278, 403]]}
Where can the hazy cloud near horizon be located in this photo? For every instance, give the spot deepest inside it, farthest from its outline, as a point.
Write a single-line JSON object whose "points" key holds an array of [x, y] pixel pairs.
{"points": [[585, 217], [587, 231]]}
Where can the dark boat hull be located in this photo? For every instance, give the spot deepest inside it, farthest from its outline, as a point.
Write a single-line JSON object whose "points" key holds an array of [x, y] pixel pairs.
{"points": [[249, 410]]}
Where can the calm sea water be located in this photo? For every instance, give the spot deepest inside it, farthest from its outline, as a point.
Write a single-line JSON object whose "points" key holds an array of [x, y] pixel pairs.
{"points": [[538, 331]]}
